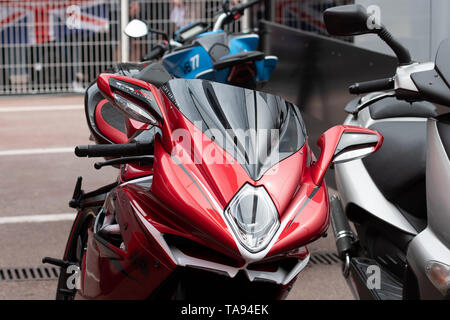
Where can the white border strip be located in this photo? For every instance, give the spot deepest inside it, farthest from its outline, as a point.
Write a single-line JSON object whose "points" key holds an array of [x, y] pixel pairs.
{"points": [[46, 108], [18, 152], [38, 218]]}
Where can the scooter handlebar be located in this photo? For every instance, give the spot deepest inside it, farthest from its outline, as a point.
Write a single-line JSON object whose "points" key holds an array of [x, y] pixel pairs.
{"points": [[372, 86]]}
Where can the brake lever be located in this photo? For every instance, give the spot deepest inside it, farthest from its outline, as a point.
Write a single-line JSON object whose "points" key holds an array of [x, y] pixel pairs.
{"points": [[140, 159]]}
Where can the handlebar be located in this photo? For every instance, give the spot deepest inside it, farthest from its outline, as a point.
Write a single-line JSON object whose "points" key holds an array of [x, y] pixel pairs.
{"points": [[372, 86], [114, 150], [234, 13], [243, 6], [154, 54]]}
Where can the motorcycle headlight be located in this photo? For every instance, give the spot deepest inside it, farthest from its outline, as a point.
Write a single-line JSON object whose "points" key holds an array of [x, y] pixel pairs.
{"points": [[253, 217]]}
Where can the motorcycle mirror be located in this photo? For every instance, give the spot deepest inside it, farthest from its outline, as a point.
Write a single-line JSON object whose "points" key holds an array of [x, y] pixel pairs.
{"points": [[348, 20], [136, 28], [354, 145], [132, 97], [341, 144], [352, 20]]}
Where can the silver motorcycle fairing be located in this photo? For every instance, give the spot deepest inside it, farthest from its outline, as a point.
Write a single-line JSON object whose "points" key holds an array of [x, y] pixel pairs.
{"points": [[356, 186], [433, 243]]}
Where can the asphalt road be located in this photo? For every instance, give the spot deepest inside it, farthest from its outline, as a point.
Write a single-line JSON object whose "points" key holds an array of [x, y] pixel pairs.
{"points": [[37, 174]]}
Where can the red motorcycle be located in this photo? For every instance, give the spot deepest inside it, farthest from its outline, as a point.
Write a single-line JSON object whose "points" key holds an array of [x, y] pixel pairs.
{"points": [[218, 193]]}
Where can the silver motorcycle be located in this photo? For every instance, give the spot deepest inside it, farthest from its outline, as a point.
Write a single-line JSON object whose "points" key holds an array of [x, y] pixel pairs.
{"points": [[398, 199]]}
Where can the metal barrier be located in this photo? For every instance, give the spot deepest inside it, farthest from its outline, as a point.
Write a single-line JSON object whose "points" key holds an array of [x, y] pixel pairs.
{"points": [[61, 45], [55, 46]]}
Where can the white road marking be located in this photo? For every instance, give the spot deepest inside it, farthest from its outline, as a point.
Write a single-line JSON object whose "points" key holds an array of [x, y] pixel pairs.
{"points": [[43, 108], [17, 152], [38, 218]]}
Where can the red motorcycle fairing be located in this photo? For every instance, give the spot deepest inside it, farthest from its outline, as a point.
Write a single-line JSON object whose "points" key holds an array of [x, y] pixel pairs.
{"points": [[187, 200], [111, 273]]}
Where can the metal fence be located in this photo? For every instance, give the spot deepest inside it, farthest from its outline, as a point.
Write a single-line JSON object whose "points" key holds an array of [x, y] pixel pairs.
{"points": [[54, 46], [61, 45], [306, 15]]}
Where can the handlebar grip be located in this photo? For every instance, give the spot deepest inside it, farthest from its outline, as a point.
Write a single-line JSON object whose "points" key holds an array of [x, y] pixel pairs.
{"points": [[371, 86], [113, 150], [155, 53]]}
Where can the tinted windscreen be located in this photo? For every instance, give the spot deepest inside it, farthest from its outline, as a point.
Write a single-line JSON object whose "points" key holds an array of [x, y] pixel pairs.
{"points": [[443, 60], [256, 128]]}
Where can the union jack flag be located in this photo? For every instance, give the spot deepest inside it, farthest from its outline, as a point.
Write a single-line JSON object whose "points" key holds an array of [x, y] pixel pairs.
{"points": [[305, 14], [35, 22]]}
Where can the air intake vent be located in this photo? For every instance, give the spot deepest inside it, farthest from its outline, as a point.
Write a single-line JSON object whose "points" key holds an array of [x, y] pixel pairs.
{"points": [[29, 273]]}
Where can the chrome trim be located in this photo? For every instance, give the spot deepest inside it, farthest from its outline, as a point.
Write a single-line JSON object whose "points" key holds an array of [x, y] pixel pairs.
{"points": [[346, 266], [343, 234]]}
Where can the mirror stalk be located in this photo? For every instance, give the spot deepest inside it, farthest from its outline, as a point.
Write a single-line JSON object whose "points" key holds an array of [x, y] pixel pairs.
{"points": [[403, 55]]}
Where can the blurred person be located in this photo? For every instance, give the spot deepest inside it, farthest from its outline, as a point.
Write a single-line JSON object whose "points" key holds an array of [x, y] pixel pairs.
{"points": [[178, 14]]}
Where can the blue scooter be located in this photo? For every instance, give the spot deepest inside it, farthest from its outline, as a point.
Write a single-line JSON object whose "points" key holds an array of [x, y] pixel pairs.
{"points": [[202, 51]]}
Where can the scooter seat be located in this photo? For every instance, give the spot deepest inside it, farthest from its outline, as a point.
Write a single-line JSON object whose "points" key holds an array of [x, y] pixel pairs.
{"points": [[238, 58], [393, 108], [398, 168]]}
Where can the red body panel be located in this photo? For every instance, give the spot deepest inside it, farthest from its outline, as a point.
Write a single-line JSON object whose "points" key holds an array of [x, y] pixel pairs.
{"points": [[109, 131], [132, 126], [133, 171]]}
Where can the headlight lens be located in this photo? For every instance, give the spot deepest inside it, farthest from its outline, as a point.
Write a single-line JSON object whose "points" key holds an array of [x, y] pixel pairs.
{"points": [[253, 217]]}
